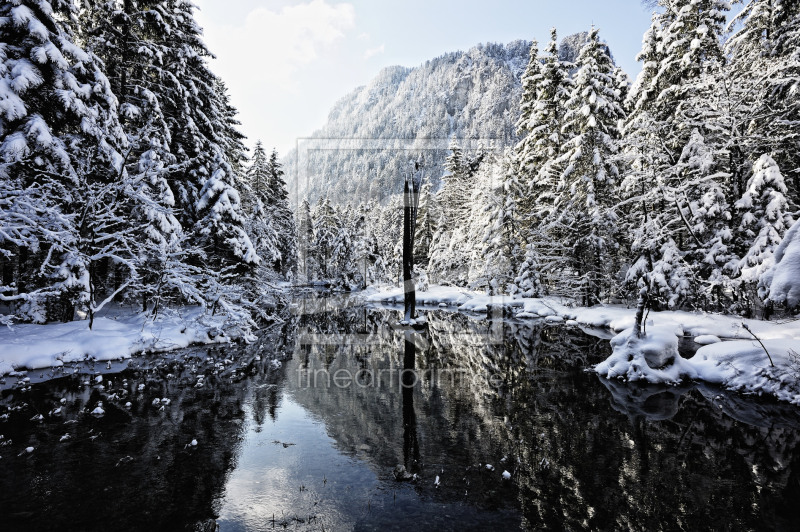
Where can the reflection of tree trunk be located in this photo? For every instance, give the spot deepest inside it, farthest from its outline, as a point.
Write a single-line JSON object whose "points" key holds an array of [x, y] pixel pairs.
{"points": [[410, 442]]}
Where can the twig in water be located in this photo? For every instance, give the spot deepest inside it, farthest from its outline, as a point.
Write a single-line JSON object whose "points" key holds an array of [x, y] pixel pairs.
{"points": [[746, 328]]}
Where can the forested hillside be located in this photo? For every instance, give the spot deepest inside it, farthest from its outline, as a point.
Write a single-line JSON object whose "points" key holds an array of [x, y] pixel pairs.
{"points": [[472, 95]]}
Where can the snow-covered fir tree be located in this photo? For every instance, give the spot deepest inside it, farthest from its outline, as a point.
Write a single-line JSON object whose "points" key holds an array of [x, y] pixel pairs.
{"points": [[61, 165], [260, 223], [282, 218], [765, 219], [585, 191], [500, 244], [307, 265], [548, 87]]}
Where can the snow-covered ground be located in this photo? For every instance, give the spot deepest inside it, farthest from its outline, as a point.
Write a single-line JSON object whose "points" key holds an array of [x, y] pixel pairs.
{"points": [[728, 354], [115, 335]]}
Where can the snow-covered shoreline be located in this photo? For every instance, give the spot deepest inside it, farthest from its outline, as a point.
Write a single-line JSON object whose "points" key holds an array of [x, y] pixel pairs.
{"points": [[115, 335], [738, 363]]}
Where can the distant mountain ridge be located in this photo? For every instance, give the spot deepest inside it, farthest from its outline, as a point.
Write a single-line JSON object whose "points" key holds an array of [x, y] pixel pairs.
{"points": [[362, 153]]}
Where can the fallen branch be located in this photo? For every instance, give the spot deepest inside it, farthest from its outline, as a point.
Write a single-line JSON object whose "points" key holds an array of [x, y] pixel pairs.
{"points": [[746, 328]]}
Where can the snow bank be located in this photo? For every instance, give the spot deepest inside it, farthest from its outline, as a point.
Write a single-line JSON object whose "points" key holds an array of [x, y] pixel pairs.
{"points": [[744, 366], [435, 295], [615, 317], [111, 338], [652, 358], [738, 363]]}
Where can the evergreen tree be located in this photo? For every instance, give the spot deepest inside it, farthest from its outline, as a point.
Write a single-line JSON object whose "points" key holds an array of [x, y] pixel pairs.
{"points": [[61, 166], [586, 187], [531, 79], [764, 220], [307, 264], [538, 151], [282, 218], [427, 224], [500, 246], [764, 76], [326, 233]]}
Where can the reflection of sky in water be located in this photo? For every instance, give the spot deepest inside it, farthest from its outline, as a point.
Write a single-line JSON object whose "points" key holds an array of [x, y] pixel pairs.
{"points": [[268, 478]]}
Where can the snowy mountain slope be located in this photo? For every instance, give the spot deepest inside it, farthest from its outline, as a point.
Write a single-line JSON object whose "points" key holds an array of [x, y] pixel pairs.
{"points": [[407, 112]]}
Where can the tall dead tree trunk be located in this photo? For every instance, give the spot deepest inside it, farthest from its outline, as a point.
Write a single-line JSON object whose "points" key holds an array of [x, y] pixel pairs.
{"points": [[410, 202], [410, 294]]}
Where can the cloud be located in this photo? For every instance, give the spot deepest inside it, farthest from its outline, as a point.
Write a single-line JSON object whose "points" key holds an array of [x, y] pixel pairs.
{"points": [[374, 51], [271, 45]]}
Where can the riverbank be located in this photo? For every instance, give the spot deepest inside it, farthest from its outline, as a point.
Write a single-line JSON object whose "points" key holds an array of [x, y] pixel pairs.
{"points": [[729, 354], [116, 334]]}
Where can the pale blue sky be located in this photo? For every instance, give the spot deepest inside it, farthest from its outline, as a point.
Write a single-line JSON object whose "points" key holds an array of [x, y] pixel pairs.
{"points": [[286, 62]]}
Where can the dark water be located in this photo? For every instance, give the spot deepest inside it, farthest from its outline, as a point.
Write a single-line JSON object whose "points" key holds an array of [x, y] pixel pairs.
{"points": [[305, 430]]}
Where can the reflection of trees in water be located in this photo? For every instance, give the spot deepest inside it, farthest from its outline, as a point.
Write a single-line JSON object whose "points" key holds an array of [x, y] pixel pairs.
{"points": [[133, 468], [649, 457], [583, 453]]}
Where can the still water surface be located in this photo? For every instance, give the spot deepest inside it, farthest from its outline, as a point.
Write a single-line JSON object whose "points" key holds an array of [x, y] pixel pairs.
{"points": [[311, 427]]}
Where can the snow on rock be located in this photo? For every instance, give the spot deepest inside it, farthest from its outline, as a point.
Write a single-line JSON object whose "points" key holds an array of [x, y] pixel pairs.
{"points": [[705, 339], [740, 365], [30, 346], [651, 358]]}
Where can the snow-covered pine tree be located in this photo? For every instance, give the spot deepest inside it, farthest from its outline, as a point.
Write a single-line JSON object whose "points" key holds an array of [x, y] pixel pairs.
{"points": [[60, 164], [202, 134], [672, 96], [327, 229], [127, 37], [451, 250], [586, 187], [500, 244], [387, 229], [698, 183], [258, 213], [538, 151], [780, 285], [346, 270], [427, 225], [282, 218], [220, 224], [307, 264], [186, 152], [765, 78], [367, 246], [765, 219], [531, 79]]}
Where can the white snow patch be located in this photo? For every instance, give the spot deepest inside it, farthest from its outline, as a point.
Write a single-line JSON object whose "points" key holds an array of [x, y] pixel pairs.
{"points": [[705, 339], [651, 358], [29, 346]]}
